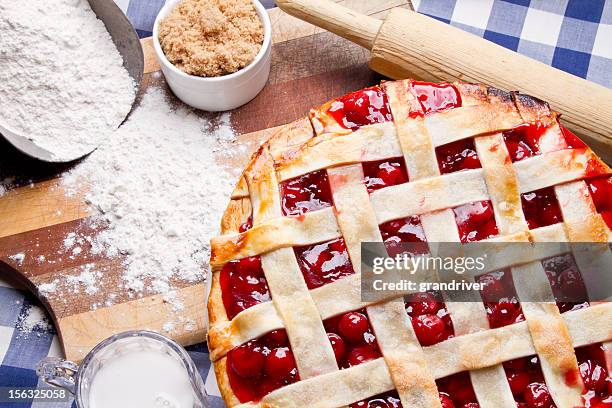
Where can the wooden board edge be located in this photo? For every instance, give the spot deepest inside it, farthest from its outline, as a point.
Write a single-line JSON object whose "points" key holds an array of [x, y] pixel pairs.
{"points": [[81, 332]]}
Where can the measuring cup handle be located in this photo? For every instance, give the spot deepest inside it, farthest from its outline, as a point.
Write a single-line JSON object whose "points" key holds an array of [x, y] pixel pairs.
{"points": [[58, 372]]}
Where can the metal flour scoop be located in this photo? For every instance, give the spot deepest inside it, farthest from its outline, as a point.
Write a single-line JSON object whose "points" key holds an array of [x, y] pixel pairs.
{"points": [[127, 43]]}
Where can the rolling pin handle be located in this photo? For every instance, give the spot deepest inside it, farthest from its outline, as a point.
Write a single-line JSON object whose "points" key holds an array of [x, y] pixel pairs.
{"points": [[340, 20]]}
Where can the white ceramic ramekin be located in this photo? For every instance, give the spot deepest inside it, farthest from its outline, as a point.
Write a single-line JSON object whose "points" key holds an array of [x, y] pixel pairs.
{"points": [[218, 93]]}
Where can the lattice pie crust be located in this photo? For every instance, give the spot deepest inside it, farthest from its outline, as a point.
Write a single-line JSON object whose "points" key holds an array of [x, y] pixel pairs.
{"points": [[321, 143]]}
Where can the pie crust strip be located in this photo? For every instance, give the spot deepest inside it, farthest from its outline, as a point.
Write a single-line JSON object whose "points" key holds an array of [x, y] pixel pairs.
{"points": [[395, 336], [311, 349]]}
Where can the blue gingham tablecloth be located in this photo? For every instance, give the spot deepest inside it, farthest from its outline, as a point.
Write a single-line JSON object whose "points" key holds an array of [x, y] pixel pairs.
{"points": [[572, 35]]}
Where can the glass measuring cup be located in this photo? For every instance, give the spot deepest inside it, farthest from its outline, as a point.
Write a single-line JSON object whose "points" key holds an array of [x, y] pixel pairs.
{"points": [[78, 379]]}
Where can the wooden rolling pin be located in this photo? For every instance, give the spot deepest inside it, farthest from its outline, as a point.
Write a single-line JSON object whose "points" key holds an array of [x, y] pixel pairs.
{"points": [[410, 45]]}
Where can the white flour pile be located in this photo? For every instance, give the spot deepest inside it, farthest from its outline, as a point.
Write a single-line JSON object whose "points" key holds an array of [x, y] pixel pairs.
{"points": [[18, 258], [157, 184], [62, 81]]}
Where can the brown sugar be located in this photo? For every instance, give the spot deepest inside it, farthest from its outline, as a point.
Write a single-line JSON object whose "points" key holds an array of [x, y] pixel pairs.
{"points": [[211, 37]]}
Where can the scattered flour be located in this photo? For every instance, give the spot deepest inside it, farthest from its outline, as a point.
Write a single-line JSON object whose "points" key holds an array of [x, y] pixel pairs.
{"points": [[70, 240], [33, 319], [46, 288], [224, 132], [63, 93], [158, 188], [186, 324], [18, 258], [87, 280], [6, 184]]}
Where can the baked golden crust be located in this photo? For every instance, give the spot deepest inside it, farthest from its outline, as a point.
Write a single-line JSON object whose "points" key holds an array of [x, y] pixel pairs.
{"points": [[319, 143], [223, 383], [237, 212]]}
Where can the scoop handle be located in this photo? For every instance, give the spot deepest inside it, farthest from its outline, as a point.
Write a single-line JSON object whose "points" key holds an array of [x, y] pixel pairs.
{"points": [[356, 27]]}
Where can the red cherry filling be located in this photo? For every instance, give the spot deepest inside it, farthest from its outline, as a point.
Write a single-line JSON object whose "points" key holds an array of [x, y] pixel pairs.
{"points": [[541, 208], [243, 285], [353, 326], [361, 108], [601, 193], [403, 230], [306, 193], [424, 303], [597, 383], [593, 376], [280, 363], [352, 339], [536, 395], [456, 156], [247, 225], [527, 383], [524, 141], [384, 173], [572, 141], [430, 329], [261, 366], [458, 389], [247, 360], [436, 97], [277, 338], [529, 388], [566, 282], [386, 400], [518, 382], [324, 263], [504, 312], [446, 401], [476, 221], [430, 319], [501, 301], [494, 288], [360, 354]]}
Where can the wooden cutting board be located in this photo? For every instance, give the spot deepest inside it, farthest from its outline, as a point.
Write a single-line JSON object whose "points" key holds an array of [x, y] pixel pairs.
{"points": [[308, 67]]}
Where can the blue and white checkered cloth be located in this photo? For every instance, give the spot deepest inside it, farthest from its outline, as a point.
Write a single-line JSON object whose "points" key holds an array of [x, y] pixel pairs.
{"points": [[22, 342], [21, 350], [572, 35]]}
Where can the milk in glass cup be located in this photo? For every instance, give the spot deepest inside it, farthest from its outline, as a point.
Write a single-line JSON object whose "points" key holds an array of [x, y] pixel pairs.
{"points": [[136, 369]]}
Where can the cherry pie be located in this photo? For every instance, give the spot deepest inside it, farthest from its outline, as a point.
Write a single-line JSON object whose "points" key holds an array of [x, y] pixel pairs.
{"points": [[410, 161]]}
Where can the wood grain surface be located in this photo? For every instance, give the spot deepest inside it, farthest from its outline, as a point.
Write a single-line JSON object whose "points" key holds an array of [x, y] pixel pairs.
{"points": [[309, 66]]}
